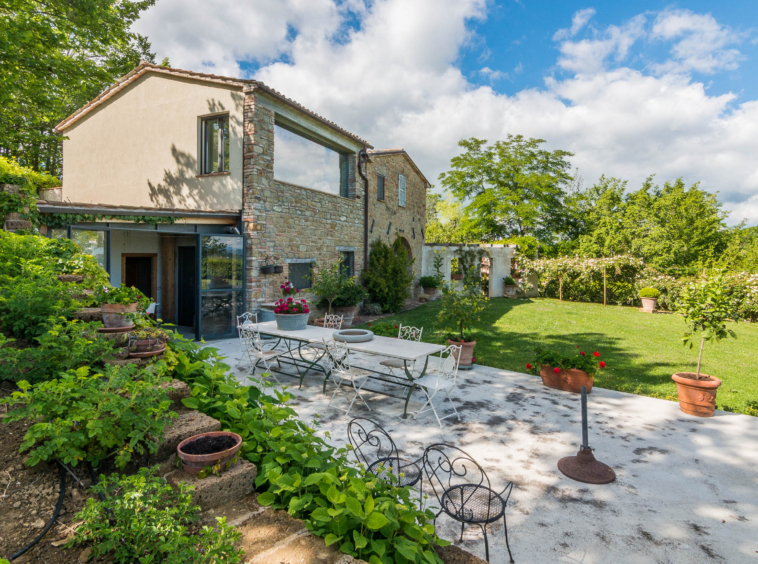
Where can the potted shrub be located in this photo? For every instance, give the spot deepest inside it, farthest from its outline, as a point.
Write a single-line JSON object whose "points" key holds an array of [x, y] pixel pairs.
{"points": [[149, 341], [429, 284], [291, 315], [460, 309], [327, 284], [566, 372], [346, 303], [510, 286], [118, 305], [649, 297], [706, 307]]}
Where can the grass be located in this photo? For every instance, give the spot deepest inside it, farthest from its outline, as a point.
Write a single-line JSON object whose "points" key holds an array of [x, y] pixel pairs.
{"points": [[641, 350]]}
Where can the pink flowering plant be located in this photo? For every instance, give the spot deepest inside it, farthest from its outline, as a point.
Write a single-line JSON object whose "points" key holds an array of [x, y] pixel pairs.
{"points": [[557, 361], [289, 290], [290, 306]]}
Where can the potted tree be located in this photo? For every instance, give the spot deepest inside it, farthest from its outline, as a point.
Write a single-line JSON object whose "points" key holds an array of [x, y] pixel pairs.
{"points": [[566, 372], [706, 307], [291, 314], [459, 310], [346, 303], [119, 305], [429, 284], [510, 287], [649, 298], [327, 284]]}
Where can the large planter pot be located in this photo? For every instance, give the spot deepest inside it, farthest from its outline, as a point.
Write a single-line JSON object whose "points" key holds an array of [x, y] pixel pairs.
{"points": [[431, 291], [347, 314], [291, 321], [570, 380], [467, 353], [649, 304], [142, 348], [696, 397], [115, 315], [194, 463], [510, 290]]}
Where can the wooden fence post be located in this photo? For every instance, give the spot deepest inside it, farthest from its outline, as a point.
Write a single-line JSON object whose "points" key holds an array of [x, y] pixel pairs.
{"points": [[604, 287]]}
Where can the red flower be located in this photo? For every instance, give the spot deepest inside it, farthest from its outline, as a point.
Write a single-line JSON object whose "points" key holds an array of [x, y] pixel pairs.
{"points": [[473, 359], [395, 326], [577, 346], [582, 353], [557, 370], [528, 366], [369, 324], [277, 310], [596, 353], [602, 364]]}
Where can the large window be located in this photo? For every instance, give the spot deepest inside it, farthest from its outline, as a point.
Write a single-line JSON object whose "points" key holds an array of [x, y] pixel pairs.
{"points": [[215, 156], [92, 243], [401, 190], [379, 187], [347, 263], [300, 274], [305, 163]]}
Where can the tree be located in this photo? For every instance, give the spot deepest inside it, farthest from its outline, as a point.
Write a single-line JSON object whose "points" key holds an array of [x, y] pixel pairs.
{"points": [[513, 188], [446, 221], [55, 55], [388, 275]]}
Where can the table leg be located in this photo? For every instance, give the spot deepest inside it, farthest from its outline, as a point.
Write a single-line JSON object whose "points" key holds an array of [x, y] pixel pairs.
{"points": [[413, 387]]}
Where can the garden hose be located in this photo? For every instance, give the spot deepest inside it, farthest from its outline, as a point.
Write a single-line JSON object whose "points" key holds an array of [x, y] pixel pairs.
{"points": [[58, 506]]}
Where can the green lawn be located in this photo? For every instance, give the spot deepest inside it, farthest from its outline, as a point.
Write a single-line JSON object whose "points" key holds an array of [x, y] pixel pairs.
{"points": [[641, 350]]}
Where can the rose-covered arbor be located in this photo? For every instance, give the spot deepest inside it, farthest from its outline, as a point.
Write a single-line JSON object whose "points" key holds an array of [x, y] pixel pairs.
{"points": [[441, 254]]}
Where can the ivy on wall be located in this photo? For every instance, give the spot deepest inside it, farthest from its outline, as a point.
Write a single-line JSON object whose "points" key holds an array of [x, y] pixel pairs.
{"points": [[61, 220]]}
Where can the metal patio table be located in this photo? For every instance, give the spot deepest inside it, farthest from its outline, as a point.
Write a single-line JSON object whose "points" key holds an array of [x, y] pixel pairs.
{"points": [[408, 351]]}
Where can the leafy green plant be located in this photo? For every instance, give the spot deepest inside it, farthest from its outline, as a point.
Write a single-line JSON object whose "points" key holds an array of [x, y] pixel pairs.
{"points": [[509, 281], [351, 294], [706, 306], [327, 283], [558, 361], [437, 262], [460, 309], [64, 345], [371, 309], [388, 276], [143, 519], [90, 417], [383, 329], [28, 302], [123, 295], [429, 282], [650, 293], [469, 261]]}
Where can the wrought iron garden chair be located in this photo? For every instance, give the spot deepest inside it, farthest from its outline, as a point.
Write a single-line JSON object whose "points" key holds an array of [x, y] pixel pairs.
{"points": [[246, 318], [464, 492], [257, 354], [338, 364], [406, 333], [439, 383], [374, 448], [333, 322]]}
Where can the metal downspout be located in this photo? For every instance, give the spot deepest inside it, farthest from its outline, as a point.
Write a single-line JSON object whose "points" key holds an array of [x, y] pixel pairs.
{"points": [[362, 161]]}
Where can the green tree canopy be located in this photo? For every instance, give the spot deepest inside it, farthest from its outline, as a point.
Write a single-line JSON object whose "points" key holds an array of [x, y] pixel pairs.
{"points": [[511, 188], [56, 55]]}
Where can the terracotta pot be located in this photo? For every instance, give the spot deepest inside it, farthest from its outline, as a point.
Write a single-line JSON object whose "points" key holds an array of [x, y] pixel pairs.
{"points": [[510, 290], [649, 304], [696, 397], [347, 314], [456, 276], [194, 463], [146, 345], [115, 315], [467, 352], [570, 380], [319, 322]]}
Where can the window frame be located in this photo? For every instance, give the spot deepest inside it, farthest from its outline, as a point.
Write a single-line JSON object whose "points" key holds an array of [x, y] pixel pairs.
{"points": [[311, 263], [350, 256], [381, 195], [402, 190], [205, 167]]}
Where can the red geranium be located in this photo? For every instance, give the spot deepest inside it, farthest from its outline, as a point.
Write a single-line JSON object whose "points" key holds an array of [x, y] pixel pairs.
{"points": [[396, 327], [528, 366], [557, 370], [602, 364], [582, 353], [596, 353]]}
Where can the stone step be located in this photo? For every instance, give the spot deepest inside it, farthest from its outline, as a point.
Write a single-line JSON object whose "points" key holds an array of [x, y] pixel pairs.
{"points": [[215, 491], [88, 314], [186, 425]]}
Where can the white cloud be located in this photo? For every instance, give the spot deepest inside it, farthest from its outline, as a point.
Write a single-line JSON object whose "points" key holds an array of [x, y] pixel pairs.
{"points": [[492, 75], [394, 80], [579, 20]]}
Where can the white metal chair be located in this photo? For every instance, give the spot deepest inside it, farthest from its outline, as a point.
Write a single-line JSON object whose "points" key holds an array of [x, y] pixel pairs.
{"points": [[256, 353], [338, 361], [406, 333], [246, 318], [440, 382]]}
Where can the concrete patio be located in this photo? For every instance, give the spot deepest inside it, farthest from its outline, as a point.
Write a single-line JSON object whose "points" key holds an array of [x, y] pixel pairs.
{"points": [[686, 489]]}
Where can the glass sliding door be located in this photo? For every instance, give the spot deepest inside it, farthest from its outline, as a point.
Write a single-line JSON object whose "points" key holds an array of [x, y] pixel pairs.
{"points": [[222, 280], [95, 243]]}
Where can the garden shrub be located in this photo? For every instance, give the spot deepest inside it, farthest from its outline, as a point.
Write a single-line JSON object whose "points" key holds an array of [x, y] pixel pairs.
{"points": [[429, 282], [64, 345], [351, 294], [650, 293], [13, 173], [143, 519], [388, 275], [27, 303], [371, 309], [90, 417], [300, 472]]}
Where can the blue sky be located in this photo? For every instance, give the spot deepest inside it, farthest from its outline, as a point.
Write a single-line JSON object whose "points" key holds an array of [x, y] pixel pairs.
{"points": [[631, 88]]}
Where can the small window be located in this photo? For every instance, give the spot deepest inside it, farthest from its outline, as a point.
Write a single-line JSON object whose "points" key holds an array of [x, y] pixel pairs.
{"points": [[215, 145], [300, 274], [379, 187], [347, 263], [401, 190]]}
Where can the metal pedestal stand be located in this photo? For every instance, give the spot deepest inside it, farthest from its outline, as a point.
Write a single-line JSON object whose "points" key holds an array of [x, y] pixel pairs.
{"points": [[583, 467]]}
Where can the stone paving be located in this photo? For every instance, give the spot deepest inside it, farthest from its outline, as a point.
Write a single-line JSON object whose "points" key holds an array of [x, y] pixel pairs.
{"points": [[686, 489]]}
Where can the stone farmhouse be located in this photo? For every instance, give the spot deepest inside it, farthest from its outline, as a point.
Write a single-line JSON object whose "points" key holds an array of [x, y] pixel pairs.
{"points": [[208, 193]]}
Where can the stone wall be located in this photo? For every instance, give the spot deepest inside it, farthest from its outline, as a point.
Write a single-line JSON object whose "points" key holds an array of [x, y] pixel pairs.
{"points": [[285, 223], [387, 219]]}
